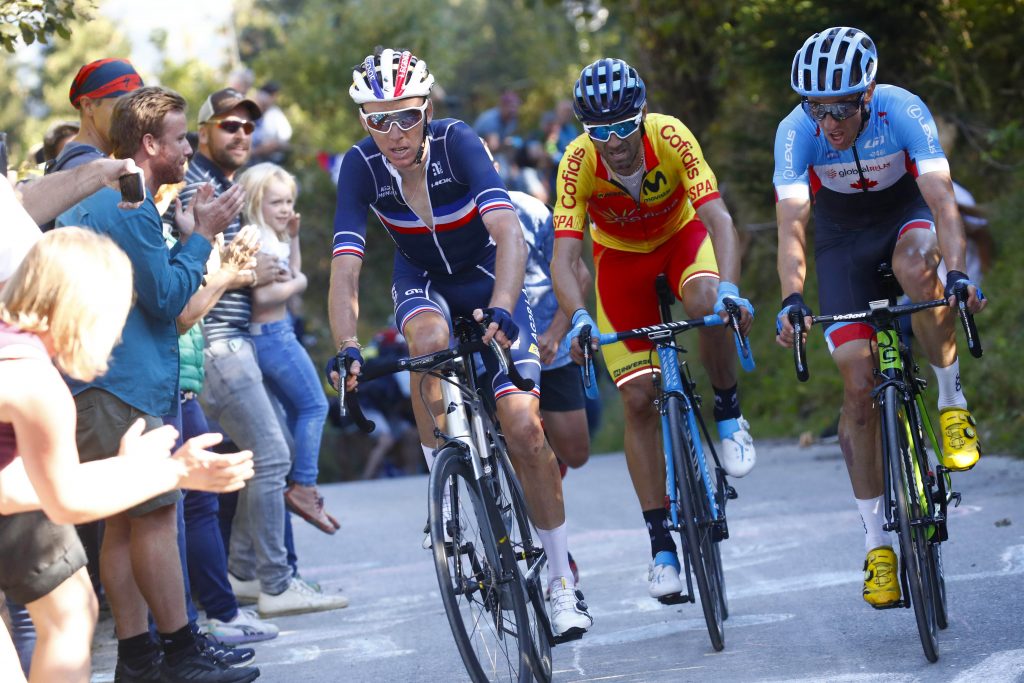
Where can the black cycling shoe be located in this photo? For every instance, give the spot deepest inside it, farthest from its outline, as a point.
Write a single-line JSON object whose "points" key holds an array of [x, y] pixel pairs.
{"points": [[198, 665]]}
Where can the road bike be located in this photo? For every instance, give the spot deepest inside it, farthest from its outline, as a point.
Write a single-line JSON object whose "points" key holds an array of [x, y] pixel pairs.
{"points": [[489, 566], [917, 487], [696, 496]]}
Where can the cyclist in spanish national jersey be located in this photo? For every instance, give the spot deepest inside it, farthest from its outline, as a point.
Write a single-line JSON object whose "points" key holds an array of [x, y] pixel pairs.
{"points": [[434, 189], [868, 157], [654, 208]]}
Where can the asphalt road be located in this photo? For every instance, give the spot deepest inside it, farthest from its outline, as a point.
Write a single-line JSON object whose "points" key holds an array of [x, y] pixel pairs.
{"points": [[792, 567]]}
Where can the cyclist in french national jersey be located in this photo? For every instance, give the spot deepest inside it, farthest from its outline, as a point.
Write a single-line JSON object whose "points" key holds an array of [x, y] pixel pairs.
{"points": [[654, 208], [869, 158], [433, 187]]}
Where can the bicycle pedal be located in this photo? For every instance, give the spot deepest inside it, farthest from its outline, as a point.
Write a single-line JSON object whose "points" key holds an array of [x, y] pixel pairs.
{"points": [[674, 599], [730, 493], [569, 636], [954, 496]]}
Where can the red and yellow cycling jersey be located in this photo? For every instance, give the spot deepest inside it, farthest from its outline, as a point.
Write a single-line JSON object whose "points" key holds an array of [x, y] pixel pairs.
{"points": [[676, 181]]}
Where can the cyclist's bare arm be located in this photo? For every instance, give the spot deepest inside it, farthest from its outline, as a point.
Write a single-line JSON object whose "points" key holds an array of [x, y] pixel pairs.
{"points": [[564, 277], [510, 261], [718, 222], [561, 322], [792, 216], [343, 304], [937, 189]]}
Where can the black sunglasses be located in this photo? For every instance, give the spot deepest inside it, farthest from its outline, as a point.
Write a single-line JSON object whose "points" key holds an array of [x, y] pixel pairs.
{"points": [[232, 126], [840, 111]]}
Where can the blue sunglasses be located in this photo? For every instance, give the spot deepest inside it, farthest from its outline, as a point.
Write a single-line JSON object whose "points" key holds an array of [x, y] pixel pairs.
{"points": [[602, 132]]}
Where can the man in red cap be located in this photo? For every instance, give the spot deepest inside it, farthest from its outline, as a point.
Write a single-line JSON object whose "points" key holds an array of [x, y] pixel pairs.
{"points": [[93, 93]]}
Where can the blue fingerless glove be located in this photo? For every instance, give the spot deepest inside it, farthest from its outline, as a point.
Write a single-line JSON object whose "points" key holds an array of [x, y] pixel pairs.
{"points": [[579, 319], [954, 277], [504, 321], [334, 363], [794, 302], [727, 290]]}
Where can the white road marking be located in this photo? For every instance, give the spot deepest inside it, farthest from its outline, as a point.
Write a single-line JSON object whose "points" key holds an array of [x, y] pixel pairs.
{"points": [[667, 628], [1001, 667]]}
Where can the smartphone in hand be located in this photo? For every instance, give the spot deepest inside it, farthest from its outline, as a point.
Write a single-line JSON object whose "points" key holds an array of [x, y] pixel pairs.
{"points": [[133, 187]]}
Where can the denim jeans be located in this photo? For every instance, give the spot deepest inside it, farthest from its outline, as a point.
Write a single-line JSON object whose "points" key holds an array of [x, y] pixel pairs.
{"points": [[207, 559], [289, 373], [228, 502], [234, 396], [190, 608], [23, 634]]}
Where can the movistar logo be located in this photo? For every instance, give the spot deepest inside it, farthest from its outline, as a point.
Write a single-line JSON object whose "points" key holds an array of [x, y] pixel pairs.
{"points": [[653, 185]]}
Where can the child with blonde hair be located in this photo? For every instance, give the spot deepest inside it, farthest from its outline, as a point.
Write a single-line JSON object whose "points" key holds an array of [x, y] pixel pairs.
{"points": [[287, 369]]}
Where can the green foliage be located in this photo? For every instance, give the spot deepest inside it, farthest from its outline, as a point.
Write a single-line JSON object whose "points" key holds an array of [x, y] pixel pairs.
{"points": [[33, 21]]}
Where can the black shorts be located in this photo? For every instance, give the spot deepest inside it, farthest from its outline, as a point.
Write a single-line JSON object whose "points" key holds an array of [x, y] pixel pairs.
{"points": [[561, 389], [36, 555]]}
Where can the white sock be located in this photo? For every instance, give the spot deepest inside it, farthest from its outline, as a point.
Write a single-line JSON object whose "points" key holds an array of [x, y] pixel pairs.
{"points": [[428, 455], [556, 545], [872, 515], [951, 394]]}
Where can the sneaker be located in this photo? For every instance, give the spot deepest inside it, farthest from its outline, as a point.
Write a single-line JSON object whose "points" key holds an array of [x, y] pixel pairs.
{"points": [[299, 598], [246, 592], [140, 672], [306, 502], [881, 580], [200, 665], [246, 627], [737, 451], [569, 616], [226, 654], [960, 450], [663, 575]]}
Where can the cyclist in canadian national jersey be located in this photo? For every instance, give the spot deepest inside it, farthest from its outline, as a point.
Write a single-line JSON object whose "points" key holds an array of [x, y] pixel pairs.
{"points": [[432, 185], [654, 208], [869, 158]]}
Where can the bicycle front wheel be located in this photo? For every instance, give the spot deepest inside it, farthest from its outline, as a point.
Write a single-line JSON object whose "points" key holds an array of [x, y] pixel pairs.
{"points": [[697, 523], [914, 554], [487, 616]]}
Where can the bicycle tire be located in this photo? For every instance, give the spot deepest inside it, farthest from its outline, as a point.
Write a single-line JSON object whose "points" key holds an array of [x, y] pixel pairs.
{"points": [[913, 541], [697, 521], [483, 609], [937, 578], [530, 560]]}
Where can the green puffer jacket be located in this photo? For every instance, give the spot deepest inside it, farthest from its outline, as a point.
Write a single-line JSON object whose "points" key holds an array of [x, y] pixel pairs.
{"points": [[190, 352]]}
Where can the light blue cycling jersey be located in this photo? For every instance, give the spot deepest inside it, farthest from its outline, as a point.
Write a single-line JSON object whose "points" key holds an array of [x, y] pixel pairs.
{"points": [[899, 143]]}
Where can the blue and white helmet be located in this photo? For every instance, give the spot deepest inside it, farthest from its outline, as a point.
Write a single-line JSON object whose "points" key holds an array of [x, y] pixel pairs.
{"points": [[390, 75], [838, 61], [608, 90]]}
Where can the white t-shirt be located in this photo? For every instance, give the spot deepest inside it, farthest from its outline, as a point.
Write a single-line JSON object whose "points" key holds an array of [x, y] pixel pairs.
{"points": [[18, 232]]}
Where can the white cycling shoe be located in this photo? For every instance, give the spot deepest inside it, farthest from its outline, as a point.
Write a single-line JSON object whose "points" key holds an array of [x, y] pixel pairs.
{"points": [[737, 450], [663, 576], [569, 615]]}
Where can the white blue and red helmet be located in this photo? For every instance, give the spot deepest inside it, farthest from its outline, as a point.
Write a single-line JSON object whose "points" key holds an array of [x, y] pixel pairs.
{"points": [[608, 90], [389, 75], [838, 61]]}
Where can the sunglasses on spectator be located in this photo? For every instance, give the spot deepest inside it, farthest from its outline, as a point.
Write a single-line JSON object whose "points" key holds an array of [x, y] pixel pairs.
{"points": [[602, 132], [405, 118], [840, 111], [232, 126]]}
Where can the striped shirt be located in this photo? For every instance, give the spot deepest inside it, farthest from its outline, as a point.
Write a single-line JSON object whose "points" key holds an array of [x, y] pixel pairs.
{"points": [[230, 316]]}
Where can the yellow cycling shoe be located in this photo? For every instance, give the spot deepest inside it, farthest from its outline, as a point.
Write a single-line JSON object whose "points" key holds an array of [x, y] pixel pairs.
{"points": [[881, 578], [960, 449]]}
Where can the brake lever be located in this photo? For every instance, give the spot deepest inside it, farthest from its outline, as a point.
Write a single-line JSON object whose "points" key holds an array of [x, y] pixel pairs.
{"points": [[746, 356]]}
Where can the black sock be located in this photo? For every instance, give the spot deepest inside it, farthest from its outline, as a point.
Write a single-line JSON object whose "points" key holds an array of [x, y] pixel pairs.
{"points": [[137, 648], [657, 528], [727, 404], [179, 641]]}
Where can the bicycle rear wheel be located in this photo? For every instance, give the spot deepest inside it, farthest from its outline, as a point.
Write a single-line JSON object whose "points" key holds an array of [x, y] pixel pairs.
{"points": [[914, 553], [530, 560], [697, 523], [482, 598]]}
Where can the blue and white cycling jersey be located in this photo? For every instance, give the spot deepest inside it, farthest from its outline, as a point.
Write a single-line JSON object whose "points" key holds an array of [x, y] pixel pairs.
{"points": [[899, 143], [462, 187], [539, 231]]}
